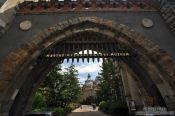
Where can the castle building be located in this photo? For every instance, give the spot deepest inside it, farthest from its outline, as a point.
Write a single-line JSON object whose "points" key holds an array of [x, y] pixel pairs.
{"points": [[89, 88]]}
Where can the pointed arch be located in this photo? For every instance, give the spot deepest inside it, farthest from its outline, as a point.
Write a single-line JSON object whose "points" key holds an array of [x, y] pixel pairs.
{"points": [[12, 68]]}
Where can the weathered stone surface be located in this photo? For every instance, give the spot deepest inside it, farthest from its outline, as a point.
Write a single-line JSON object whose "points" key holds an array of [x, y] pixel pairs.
{"points": [[95, 20], [45, 34], [3, 85], [170, 20], [21, 52], [51, 30], [60, 25], [108, 28], [5, 76], [29, 46], [70, 22], [87, 19], [126, 31], [59, 38], [140, 40], [148, 45], [121, 27], [47, 44], [96, 29], [108, 33], [165, 62], [167, 12], [11, 63], [172, 82], [58, 28], [108, 23], [81, 19], [37, 39], [54, 29], [68, 33], [75, 21], [66, 23]]}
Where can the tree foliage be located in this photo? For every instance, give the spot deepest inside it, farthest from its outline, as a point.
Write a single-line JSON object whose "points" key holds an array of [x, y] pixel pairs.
{"points": [[109, 88], [109, 94], [39, 101], [61, 89]]}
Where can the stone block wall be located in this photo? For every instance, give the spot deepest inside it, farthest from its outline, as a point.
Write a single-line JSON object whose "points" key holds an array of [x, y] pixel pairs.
{"points": [[167, 10], [2, 2], [5, 19]]}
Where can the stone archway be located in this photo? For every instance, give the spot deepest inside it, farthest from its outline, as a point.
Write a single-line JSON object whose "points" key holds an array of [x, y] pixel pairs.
{"points": [[16, 68]]}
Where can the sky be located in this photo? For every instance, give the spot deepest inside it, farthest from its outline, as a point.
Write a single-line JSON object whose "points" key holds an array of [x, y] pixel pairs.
{"points": [[93, 68]]}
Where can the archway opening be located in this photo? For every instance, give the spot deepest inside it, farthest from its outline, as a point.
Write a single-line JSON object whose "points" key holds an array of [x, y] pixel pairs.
{"points": [[143, 62], [88, 46]]}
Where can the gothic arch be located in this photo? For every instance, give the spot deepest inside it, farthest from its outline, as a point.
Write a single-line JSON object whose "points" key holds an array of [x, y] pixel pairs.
{"points": [[22, 60]]}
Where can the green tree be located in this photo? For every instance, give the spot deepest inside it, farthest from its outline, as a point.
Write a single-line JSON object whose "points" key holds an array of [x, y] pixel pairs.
{"points": [[73, 89], [109, 93], [39, 101], [109, 88], [61, 89], [51, 87]]}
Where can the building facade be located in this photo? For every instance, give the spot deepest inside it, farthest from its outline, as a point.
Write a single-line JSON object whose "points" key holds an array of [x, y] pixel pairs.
{"points": [[90, 87]]}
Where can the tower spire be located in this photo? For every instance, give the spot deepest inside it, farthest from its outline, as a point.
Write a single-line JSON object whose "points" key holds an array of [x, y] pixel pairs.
{"points": [[89, 76]]}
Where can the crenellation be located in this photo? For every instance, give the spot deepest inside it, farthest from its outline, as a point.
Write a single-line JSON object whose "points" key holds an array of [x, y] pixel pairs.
{"points": [[168, 14]]}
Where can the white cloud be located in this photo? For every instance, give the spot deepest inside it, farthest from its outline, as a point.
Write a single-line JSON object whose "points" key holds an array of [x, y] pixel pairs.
{"points": [[89, 68], [84, 68], [82, 79], [63, 68], [86, 51]]}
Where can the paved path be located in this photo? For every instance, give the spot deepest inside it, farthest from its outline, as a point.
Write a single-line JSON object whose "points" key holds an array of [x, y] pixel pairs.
{"points": [[87, 111]]}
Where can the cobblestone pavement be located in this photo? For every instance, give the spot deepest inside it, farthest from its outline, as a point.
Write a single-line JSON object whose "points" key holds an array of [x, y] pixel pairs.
{"points": [[87, 111]]}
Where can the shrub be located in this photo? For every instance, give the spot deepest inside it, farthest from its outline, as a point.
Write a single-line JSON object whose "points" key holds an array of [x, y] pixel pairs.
{"points": [[37, 110], [39, 101], [103, 106], [59, 111], [118, 107], [68, 110], [63, 111], [114, 108]]}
